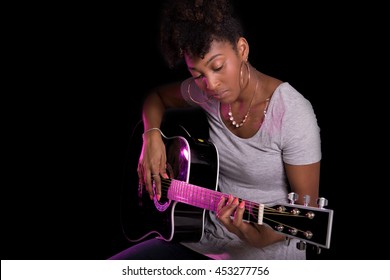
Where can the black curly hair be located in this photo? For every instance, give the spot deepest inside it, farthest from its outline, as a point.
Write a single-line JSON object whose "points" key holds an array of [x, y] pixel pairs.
{"points": [[189, 27]]}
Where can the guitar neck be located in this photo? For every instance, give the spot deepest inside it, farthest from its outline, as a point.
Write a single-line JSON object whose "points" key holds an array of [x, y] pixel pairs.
{"points": [[208, 199], [306, 223]]}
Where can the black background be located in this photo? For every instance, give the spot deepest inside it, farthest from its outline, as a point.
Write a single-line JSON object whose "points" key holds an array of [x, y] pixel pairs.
{"points": [[77, 77]]}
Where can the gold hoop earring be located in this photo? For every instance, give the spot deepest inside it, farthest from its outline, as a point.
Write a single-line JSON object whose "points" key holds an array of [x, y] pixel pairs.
{"points": [[242, 75], [189, 94]]}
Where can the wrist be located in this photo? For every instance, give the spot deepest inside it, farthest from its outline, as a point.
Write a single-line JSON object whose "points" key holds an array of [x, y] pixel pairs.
{"points": [[151, 130]]}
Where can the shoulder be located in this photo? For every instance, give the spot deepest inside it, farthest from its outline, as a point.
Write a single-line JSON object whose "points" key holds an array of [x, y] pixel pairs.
{"points": [[170, 87], [287, 97], [185, 85], [287, 91], [289, 108], [193, 94]]}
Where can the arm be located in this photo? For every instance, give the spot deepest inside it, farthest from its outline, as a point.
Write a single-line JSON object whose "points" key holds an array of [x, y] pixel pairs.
{"points": [[304, 180], [153, 157]]}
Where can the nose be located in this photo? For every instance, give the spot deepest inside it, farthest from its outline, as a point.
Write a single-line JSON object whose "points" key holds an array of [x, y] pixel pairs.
{"points": [[211, 83]]}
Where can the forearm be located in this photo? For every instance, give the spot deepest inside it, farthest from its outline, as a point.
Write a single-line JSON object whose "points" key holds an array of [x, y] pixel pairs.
{"points": [[153, 111]]}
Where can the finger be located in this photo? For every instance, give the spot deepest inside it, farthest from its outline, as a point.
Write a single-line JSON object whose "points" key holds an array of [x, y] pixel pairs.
{"points": [[238, 214], [163, 167], [232, 201], [139, 172], [221, 203], [226, 208], [149, 184], [231, 204], [140, 181], [227, 211], [157, 184]]}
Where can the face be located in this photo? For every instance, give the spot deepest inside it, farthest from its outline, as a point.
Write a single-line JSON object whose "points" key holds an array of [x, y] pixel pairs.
{"points": [[218, 73]]}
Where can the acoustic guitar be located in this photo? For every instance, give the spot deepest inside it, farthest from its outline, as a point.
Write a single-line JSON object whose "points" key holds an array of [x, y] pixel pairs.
{"points": [[192, 189]]}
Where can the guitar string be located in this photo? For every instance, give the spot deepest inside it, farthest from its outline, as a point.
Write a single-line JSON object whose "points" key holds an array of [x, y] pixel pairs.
{"points": [[300, 230], [269, 210], [248, 207], [248, 204]]}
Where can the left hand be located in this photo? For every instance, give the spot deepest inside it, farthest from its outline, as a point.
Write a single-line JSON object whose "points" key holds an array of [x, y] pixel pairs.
{"points": [[230, 213]]}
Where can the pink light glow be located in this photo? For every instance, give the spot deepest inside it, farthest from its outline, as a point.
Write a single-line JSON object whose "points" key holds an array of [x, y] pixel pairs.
{"points": [[184, 152]]}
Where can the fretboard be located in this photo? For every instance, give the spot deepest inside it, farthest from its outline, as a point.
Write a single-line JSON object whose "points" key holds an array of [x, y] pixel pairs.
{"points": [[208, 199]]}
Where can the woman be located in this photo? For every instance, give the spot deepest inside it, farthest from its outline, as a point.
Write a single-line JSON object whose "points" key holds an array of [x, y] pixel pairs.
{"points": [[265, 131]]}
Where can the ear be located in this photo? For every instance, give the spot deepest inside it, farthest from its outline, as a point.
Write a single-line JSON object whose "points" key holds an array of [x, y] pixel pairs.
{"points": [[243, 48]]}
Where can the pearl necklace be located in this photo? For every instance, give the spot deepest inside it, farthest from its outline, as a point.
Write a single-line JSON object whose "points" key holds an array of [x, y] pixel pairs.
{"points": [[231, 118]]}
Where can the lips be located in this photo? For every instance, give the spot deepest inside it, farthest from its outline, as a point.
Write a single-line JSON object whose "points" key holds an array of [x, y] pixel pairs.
{"points": [[220, 95]]}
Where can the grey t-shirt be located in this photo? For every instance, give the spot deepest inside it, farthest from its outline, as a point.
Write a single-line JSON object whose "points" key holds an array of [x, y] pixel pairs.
{"points": [[252, 169]]}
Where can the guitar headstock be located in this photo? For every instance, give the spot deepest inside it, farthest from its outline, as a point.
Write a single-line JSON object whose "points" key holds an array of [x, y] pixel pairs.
{"points": [[312, 225]]}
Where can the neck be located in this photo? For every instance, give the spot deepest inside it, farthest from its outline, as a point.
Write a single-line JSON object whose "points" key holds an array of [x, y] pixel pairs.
{"points": [[234, 121]]}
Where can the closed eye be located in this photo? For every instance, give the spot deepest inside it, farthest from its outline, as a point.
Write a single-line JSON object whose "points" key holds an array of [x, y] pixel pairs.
{"points": [[198, 77]]}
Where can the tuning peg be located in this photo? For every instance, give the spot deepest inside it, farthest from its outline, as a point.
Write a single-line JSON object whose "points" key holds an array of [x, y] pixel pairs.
{"points": [[306, 200], [292, 197], [322, 202], [301, 245]]}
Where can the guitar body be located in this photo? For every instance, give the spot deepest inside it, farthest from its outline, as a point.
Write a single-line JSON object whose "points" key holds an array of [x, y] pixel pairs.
{"points": [[191, 160]]}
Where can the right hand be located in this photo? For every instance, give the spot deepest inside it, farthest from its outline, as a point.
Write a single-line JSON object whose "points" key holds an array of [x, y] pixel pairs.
{"points": [[152, 163]]}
